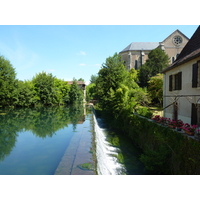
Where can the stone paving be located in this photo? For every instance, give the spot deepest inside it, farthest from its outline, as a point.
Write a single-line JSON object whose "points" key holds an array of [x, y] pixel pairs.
{"points": [[77, 153]]}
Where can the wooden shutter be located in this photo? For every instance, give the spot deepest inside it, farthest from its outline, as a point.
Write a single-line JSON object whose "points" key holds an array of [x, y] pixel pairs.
{"points": [[170, 83], [194, 115], [179, 80], [194, 75]]}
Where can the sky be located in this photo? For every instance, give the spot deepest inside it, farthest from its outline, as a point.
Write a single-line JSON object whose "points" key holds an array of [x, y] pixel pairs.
{"points": [[73, 51], [73, 39]]}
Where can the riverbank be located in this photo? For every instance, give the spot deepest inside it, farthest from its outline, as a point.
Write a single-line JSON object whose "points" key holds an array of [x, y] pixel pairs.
{"points": [[162, 150]]}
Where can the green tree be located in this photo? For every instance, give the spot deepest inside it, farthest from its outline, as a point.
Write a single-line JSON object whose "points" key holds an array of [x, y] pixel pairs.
{"points": [[93, 78], [7, 82], [81, 79], [91, 92], [45, 88], [157, 61], [25, 94], [155, 89], [118, 93], [62, 89], [76, 93]]}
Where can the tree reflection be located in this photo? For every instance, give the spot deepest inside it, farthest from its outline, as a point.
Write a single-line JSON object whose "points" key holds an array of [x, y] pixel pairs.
{"points": [[42, 121]]}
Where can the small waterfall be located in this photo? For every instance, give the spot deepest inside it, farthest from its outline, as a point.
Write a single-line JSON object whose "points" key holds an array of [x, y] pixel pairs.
{"points": [[106, 154]]}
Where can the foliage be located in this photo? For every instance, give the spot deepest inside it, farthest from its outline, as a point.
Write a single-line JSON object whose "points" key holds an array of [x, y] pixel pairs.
{"points": [[165, 151], [93, 78], [117, 91], [7, 82], [157, 60], [25, 94], [91, 92], [155, 89], [75, 93], [45, 89], [62, 89]]}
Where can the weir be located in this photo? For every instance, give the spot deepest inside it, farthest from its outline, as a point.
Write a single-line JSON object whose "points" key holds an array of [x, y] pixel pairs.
{"points": [[106, 154]]}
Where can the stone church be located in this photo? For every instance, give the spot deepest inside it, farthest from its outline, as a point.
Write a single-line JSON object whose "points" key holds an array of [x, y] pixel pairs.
{"points": [[136, 53]]}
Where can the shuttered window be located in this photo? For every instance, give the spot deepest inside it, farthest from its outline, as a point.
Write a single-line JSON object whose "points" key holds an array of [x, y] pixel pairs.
{"points": [[180, 81], [194, 75], [170, 83], [175, 82]]}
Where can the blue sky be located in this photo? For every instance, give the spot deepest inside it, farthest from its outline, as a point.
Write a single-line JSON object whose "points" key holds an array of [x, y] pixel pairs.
{"points": [[73, 51]]}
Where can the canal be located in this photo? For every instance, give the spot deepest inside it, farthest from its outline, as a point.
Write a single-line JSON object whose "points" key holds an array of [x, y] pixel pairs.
{"points": [[62, 141]]}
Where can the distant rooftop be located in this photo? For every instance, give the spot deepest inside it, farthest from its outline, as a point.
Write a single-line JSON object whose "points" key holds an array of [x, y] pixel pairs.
{"points": [[141, 46], [78, 82]]}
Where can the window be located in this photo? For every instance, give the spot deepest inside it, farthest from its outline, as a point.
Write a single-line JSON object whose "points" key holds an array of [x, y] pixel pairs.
{"points": [[175, 81], [136, 64], [195, 116], [196, 75], [177, 40]]}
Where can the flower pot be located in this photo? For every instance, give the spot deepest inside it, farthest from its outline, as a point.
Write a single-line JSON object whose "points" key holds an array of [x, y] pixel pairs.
{"points": [[189, 133], [171, 126]]}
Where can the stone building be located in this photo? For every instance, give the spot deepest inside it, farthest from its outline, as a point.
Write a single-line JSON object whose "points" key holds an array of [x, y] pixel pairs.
{"points": [[136, 53], [182, 84]]}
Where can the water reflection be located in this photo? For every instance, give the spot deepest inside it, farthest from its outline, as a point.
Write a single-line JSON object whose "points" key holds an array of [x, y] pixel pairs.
{"points": [[42, 122]]}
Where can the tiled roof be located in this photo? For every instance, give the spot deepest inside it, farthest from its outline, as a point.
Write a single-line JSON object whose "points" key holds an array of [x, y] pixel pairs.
{"points": [[141, 46], [190, 51]]}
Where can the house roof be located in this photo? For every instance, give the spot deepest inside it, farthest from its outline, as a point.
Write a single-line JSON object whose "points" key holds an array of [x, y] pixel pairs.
{"points": [[190, 51], [78, 82], [141, 46]]}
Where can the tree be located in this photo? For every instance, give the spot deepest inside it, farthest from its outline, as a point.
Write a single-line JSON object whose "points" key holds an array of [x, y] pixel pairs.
{"points": [[91, 92], [75, 93], [118, 93], [62, 89], [112, 74], [155, 89], [93, 78], [157, 61], [25, 94], [7, 82], [81, 79], [45, 88]]}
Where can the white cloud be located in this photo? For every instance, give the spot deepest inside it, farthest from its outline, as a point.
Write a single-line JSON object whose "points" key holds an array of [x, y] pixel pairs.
{"points": [[82, 64], [81, 53], [51, 70]]}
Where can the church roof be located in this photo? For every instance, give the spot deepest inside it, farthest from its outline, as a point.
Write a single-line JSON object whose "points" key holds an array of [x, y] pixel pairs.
{"points": [[141, 46], [190, 51]]}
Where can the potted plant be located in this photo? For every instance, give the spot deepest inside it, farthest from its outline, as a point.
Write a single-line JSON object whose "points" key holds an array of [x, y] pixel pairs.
{"points": [[189, 129], [179, 124], [172, 123], [156, 118], [163, 120]]}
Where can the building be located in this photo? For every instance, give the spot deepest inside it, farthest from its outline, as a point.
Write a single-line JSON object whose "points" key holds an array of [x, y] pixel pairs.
{"points": [[182, 84], [136, 53]]}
